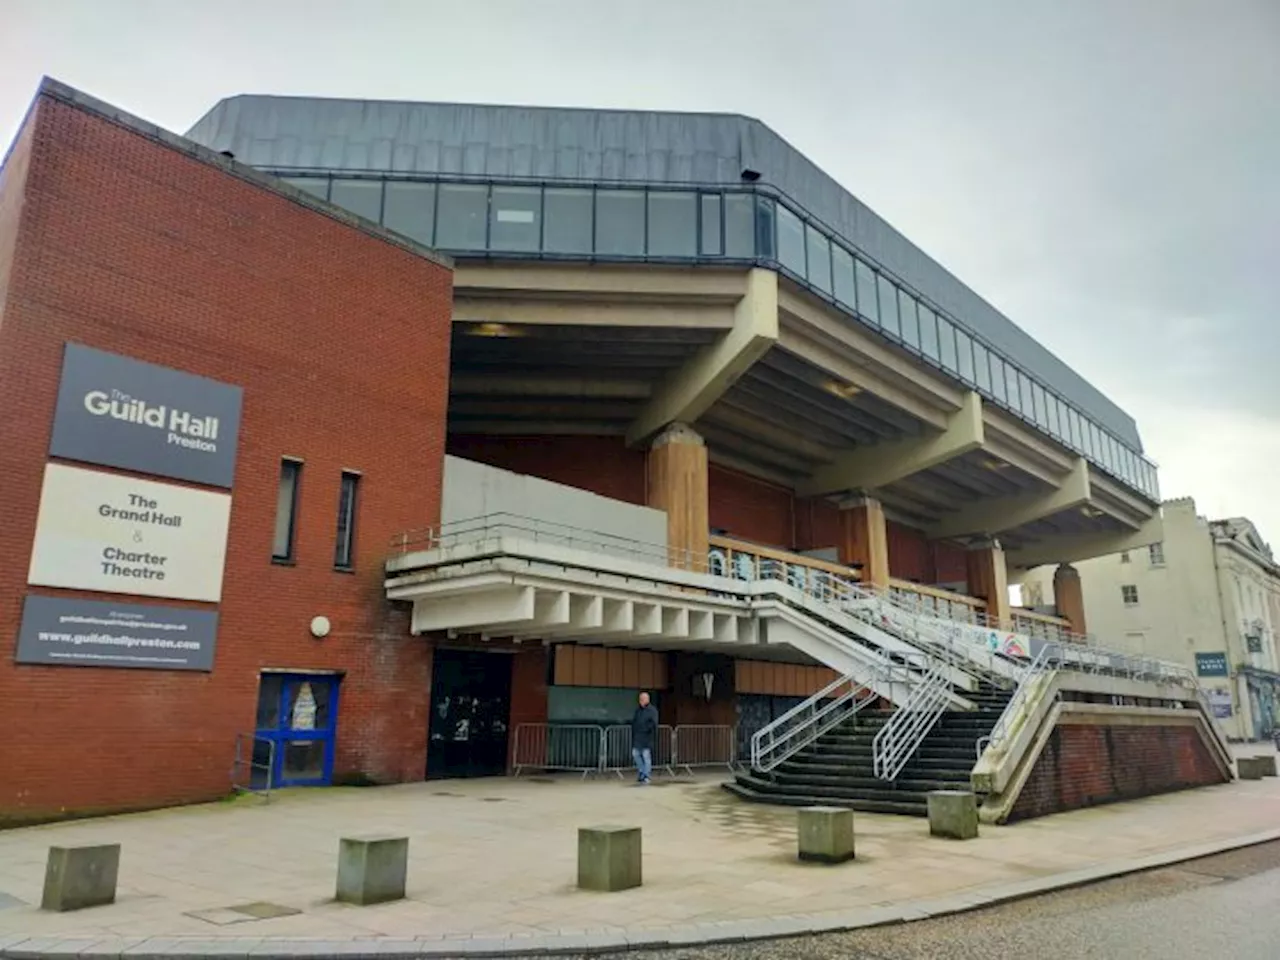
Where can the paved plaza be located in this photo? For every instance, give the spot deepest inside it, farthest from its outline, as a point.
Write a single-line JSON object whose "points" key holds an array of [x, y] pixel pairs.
{"points": [[492, 860]]}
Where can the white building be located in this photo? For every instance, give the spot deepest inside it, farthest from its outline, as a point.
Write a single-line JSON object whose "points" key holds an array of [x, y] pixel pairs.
{"points": [[1208, 595]]}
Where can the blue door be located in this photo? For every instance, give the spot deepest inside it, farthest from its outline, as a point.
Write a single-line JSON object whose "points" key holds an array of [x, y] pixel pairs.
{"points": [[298, 714]]}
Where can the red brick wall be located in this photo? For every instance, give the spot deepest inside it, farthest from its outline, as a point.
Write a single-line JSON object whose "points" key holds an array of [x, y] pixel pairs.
{"points": [[13, 178], [1084, 765], [750, 509], [340, 341], [603, 465], [528, 691]]}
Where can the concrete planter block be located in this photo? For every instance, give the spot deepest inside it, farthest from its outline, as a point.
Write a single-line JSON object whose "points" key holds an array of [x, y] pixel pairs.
{"points": [[372, 869], [608, 858], [953, 814], [79, 877], [825, 834], [1255, 768]]}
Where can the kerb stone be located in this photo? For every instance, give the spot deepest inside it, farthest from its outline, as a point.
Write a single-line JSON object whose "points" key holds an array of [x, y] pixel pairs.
{"points": [[825, 834], [953, 814], [79, 877], [609, 858], [372, 869]]}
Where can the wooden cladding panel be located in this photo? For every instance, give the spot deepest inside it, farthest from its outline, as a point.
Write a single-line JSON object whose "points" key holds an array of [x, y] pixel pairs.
{"points": [[780, 679], [582, 666]]}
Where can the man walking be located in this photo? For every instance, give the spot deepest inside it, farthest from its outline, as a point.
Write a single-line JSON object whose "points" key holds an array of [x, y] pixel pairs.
{"points": [[644, 738]]}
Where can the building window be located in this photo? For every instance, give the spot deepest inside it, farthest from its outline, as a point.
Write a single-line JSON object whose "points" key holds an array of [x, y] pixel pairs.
{"points": [[566, 220], [868, 303], [1157, 554], [286, 511], [964, 356], [673, 224], [1129, 593], [842, 276], [711, 241], [790, 241], [462, 216], [889, 306], [361, 197], [1124, 557], [740, 225], [410, 210], [515, 219], [316, 186], [818, 251], [620, 222], [344, 551], [946, 340], [910, 318]]}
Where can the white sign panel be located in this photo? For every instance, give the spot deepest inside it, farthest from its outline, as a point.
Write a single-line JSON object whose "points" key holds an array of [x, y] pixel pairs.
{"points": [[101, 531]]}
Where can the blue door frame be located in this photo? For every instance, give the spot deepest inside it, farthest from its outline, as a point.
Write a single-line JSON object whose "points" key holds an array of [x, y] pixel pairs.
{"points": [[306, 720]]}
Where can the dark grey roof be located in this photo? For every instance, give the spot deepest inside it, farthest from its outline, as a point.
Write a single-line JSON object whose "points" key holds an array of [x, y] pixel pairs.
{"points": [[612, 145]]}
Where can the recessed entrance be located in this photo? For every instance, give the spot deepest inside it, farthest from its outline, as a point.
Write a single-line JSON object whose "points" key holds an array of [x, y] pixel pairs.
{"points": [[470, 712], [298, 713]]}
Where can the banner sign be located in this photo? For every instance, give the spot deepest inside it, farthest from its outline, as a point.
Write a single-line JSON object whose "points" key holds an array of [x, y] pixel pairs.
{"points": [[124, 413], [115, 534], [91, 633]]}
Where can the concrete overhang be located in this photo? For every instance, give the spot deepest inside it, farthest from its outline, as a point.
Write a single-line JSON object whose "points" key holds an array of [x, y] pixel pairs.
{"points": [[1086, 546], [990, 517]]}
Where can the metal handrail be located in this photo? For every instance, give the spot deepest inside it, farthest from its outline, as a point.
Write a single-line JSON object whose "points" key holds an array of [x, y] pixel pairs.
{"points": [[897, 741], [807, 721], [241, 763]]}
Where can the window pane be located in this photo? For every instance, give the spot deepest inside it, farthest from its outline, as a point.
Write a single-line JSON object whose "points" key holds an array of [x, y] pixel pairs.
{"points": [[842, 276], [1011, 387], [269, 689], [946, 341], [765, 245], [316, 186], [1024, 393], [818, 248], [343, 554], [1057, 418], [515, 215], [889, 306], [868, 305], [361, 197], [909, 316], [462, 216], [981, 368], [998, 386], [566, 216], [790, 241], [410, 210], [740, 225], [929, 334], [1073, 428], [711, 241], [286, 510], [1042, 405], [964, 356], [673, 224], [619, 223]]}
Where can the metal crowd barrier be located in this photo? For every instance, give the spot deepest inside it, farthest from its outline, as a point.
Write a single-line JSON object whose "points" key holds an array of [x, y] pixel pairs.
{"points": [[255, 761], [591, 748]]}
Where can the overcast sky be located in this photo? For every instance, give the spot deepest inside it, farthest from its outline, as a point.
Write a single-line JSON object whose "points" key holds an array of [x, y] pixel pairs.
{"points": [[1105, 172]]}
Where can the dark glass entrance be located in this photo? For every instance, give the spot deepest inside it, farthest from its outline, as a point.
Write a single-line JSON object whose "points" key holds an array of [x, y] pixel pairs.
{"points": [[470, 709]]}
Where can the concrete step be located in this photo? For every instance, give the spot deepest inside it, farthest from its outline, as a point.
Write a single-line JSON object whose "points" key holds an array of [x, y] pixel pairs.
{"points": [[869, 785], [909, 808], [911, 771]]}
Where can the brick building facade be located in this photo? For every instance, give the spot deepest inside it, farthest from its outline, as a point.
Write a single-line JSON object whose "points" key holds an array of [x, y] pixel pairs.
{"points": [[121, 238]]}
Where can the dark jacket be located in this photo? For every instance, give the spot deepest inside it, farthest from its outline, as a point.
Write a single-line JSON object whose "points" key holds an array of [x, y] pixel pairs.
{"points": [[644, 728]]}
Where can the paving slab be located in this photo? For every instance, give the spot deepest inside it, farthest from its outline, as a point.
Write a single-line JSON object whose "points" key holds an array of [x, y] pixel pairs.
{"points": [[493, 878]]}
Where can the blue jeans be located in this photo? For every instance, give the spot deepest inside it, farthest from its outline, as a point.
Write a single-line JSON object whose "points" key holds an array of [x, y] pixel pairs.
{"points": [[644, 762]]}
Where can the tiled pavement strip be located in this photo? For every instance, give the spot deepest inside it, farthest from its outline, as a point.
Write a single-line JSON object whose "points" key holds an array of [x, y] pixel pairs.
{"points": [[492, 868]]}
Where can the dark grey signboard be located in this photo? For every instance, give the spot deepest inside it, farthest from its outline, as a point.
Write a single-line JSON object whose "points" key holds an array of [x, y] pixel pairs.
{"points": [[124, 413], [1212, 664], [90, 633]]}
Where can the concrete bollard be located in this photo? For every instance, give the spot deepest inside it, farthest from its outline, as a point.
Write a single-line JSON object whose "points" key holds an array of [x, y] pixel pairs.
{"points": [[372, 869], [609, 858], [79, 877], [953, 814], [1255, 768], [1268, 763], [825, 834]]}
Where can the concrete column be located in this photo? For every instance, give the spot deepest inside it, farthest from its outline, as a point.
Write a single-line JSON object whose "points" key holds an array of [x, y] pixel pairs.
{"points": [[989, 580], [677, 467], [1068, 595], [864, 540]]}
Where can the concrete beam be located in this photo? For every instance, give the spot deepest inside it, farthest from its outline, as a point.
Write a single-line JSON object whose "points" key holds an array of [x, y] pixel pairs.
{"points": [[569, 313], [1075, 549], [990, 517], [692, 389], [872, 467], [560, 388]]}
